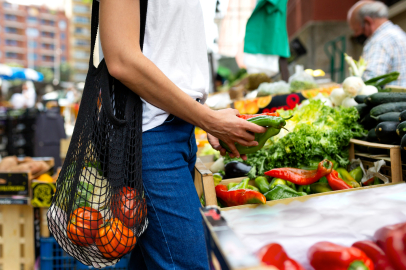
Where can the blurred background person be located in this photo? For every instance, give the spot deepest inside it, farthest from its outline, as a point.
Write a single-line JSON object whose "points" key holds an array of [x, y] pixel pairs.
{"points": [[385, 42]]}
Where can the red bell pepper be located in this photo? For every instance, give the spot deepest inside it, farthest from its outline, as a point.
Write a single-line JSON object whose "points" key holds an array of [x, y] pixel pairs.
{"points": [[392, 239], [329, 256], [274, 254], [375, 253], [239, 196], [248, 116], [335, 182], [302, 177]]}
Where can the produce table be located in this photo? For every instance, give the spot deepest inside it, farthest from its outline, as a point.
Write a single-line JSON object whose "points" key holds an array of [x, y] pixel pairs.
{"points": [[343, 217]]}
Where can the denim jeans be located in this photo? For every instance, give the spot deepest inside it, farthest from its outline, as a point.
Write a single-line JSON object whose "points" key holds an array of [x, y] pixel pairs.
{"points": [[174, 238]]}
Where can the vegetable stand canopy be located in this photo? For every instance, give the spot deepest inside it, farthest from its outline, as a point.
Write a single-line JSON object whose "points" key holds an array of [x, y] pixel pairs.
{"points": [[342, 218]]}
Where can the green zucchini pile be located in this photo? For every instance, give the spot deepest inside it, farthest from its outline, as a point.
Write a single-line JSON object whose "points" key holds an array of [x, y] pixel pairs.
{"points": [[384, 115]]}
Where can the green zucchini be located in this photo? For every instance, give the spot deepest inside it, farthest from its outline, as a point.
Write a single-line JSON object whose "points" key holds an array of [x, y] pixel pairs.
{"points": [[360, 98], [268, 121], [388, 107], [362, 109], [371, 137], [403, 143], [386, 133], [401, 129], [402, 116], [368, 122], [390, 116], [386, 97]]}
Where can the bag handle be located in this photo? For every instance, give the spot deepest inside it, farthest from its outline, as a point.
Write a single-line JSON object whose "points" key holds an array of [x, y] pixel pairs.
{"points": [[105, 80]]}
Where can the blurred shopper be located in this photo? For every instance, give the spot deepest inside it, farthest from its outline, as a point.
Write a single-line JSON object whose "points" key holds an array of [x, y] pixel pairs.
{"points": [[26, 99], [385, 43], [171, 75]]}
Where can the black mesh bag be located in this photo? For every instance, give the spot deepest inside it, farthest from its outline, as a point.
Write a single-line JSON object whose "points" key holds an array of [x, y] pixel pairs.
{"points": [[99, 210]]}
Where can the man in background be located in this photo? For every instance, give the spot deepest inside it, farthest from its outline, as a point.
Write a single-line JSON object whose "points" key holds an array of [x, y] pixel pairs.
{"points": [[385, 43]]}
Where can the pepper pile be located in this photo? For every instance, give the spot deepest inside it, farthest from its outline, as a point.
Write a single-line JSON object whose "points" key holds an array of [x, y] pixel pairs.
{"points": [[386, 252]]}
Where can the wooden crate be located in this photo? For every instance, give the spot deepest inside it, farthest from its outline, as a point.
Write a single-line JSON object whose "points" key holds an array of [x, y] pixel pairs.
{"points": [[394, 172], [204, 183], [16, 237]]}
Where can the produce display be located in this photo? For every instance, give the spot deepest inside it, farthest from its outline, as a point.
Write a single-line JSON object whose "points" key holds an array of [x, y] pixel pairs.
{"points": [[386, 252], [27, 164]]}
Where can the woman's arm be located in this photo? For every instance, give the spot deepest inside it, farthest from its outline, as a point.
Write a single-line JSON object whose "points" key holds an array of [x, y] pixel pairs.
{"points": [[119, 34]]}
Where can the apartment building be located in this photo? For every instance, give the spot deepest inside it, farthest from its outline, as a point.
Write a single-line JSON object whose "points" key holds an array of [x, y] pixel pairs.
{"points": [[33, 36], [79, 14]]}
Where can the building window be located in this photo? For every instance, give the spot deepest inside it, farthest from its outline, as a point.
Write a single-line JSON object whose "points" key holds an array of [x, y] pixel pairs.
{"points": [[32, 20], [32, 44], [32, 32], [32, 56], [6, 5], [10, 30], [47, 58], [81, 19], [63, 47], [63, 36], [63, 59], [82, 31], [11, 42], [81, 9], [10, 17], [12, 55], [48, 34], [48, 46], [81, 55], [47, 22], [82, 42]]}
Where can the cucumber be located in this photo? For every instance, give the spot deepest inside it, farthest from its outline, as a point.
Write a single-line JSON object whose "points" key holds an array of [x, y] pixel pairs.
{"points": [[402, 116], [388, 107], [362, 109], [386, 133], [403, 143], [390, 116], [371, 137], [401, 129], [368, 122], [360, 98], [386, 97]]}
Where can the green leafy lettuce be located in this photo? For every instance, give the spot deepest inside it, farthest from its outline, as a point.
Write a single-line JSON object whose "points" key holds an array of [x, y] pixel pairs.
{"points": [[317, 132]]}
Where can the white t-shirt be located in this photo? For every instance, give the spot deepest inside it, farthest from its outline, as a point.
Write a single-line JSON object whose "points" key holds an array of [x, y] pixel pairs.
{"points": [[175, 42]]}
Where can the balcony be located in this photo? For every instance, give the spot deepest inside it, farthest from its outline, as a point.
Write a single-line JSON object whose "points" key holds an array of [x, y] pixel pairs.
{"points": [[47, 64], [15, 36], [13, 11], [47, 28], [49, 52], [48, 16], [14, 24], [47, 40], [15, 61], [16, 49]]}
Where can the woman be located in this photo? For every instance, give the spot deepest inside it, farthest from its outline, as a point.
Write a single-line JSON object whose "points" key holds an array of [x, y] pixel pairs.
{"points": [[172, 78]]}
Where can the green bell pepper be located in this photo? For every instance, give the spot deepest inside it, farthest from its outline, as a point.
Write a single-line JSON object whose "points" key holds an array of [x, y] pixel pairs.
{"points": [[231, 185], [277, 181], [282, 192], [202, 201], [357, 174], [252, 188], [320, 187], [242, 185], [262, 184]]}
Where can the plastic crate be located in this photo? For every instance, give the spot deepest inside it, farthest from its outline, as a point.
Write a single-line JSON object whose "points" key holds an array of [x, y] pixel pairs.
{"points": [[53, 257]]}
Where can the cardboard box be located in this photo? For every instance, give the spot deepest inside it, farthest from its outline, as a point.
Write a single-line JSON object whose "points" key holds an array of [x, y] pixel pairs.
{"points": [[42, 193], [14, 183]]}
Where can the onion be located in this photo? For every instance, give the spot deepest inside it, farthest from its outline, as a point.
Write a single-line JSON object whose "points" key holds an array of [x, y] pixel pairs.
{"points": [[349, 102], [368, 90], [337, 96], [353, 86]]}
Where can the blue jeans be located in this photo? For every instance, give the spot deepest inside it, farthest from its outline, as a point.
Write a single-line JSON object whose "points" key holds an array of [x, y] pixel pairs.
{"points": [[174, 238]]}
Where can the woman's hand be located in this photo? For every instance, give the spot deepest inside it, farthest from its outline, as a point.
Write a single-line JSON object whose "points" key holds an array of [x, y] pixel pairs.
{"points": [[226, 126]]}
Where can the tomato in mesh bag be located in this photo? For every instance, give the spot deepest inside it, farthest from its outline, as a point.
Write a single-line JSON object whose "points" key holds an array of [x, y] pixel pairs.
{"points": [[114, 239], [127, 208], [83, 225]]}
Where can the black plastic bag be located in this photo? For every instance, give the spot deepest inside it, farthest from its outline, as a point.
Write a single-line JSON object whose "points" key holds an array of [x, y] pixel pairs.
{"points": [[99, 210]]}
